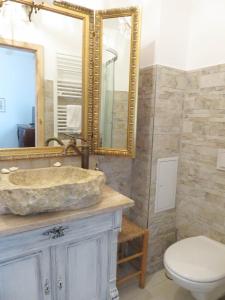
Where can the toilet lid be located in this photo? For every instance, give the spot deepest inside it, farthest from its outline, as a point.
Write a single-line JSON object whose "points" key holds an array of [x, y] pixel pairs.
{"points": [[198, 259]]}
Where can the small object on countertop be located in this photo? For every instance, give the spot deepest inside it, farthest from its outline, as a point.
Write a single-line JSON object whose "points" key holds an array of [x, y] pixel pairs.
{"points": [[5, 171], [13, 169], [96, 167], [57, 164]]}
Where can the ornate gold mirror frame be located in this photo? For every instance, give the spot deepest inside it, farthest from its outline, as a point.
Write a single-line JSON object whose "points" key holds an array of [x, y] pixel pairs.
{"points": [[87, 16], [134, 13]]}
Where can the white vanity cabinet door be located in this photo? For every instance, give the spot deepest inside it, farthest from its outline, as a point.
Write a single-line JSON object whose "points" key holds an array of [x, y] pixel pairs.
{"points": [[82, 269], [26, 276]]}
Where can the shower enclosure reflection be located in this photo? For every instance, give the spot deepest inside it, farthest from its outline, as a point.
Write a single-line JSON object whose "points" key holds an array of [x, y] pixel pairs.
{"points": [[115, 82], [107, 105]]}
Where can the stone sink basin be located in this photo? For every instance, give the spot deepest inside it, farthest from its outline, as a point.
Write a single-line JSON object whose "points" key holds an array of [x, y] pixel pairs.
{"points": [[31, 191]]}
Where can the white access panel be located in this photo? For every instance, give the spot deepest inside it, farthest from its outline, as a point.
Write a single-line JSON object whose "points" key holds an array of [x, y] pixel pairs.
{"points": [[166, 183], [221, 160]]}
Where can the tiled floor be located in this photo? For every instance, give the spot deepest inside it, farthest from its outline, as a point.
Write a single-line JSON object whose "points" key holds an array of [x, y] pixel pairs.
{"points": [[158, 287]]}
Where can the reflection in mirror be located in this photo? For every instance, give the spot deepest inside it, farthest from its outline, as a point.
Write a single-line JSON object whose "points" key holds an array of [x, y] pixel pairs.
{"points": [[17, 98], [115, 82], [61, 40]]}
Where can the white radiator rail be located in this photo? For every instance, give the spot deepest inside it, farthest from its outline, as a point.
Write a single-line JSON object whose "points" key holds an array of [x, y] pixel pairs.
{"points": [[69, 86], [69, 76]]}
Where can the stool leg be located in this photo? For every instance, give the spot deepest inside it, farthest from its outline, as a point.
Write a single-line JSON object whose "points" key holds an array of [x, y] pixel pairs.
{"points": [[144, 260]]}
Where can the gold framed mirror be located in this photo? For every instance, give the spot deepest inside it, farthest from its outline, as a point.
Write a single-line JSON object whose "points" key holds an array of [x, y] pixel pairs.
{"points": [[74, 93], [116, 64]]}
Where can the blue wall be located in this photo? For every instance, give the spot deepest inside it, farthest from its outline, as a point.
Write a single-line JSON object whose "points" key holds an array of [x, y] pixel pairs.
{"points": [[17, 86]]}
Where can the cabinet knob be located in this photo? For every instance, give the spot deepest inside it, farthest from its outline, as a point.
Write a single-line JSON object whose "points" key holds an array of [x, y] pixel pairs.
{"points": [[60, 284], [47, 287], [56, 232]]}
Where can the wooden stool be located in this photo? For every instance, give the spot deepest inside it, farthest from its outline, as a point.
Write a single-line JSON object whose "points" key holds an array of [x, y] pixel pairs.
{"points": [[130, 232]]}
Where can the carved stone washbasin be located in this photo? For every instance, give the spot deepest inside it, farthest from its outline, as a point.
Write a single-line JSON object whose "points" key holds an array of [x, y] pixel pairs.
{"points": [[50, 189]]}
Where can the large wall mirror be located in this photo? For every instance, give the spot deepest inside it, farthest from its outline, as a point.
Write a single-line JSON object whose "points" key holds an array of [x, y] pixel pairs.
{"points": [[45, 76], [116, 77], [65, 72]]}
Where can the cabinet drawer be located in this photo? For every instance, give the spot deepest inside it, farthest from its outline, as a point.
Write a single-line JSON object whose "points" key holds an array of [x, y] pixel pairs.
{"points": [[57, 233]]}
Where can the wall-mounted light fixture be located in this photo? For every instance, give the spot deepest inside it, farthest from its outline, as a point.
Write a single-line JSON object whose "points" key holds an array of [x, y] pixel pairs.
{"points": [[32, 6], [36, 6]]}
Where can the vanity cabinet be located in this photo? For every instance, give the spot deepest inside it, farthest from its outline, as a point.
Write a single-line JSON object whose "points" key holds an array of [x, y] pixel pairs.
{"points": [[68, 261], [25, 276]]}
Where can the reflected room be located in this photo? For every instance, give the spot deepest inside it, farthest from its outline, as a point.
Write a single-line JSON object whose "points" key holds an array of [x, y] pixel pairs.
{"points": [[41, 76]]}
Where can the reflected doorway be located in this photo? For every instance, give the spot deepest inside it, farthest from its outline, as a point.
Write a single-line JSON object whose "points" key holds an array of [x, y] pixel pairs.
{"points": [[17, 97]]}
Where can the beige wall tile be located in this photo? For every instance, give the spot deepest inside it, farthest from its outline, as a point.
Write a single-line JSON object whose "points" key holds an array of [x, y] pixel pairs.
{"points": [[161, 97], [200, 193]]}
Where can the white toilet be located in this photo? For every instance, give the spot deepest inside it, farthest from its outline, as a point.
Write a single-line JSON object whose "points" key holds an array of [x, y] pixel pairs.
{"points": [[198, 265]]}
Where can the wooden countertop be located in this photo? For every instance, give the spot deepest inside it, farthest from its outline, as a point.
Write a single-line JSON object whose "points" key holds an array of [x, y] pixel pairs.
{"points": [[111, 201]]}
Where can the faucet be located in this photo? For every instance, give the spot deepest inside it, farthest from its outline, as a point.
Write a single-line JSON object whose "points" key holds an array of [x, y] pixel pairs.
{"points": [[84, 152], [53, 139]]}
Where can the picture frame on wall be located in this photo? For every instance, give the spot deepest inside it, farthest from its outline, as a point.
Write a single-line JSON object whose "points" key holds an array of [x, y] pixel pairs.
{"points": [[2, 105]]}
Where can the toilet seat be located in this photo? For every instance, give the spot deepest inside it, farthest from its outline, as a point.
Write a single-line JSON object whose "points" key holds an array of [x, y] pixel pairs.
{"points": [[197, 259]]}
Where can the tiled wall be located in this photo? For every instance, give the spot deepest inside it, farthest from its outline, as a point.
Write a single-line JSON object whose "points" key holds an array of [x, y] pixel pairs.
{"points": [[180, 114], [161, 96], [170, 93], [141, 169], [117, 171], [120, 117], [200, 195]]}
